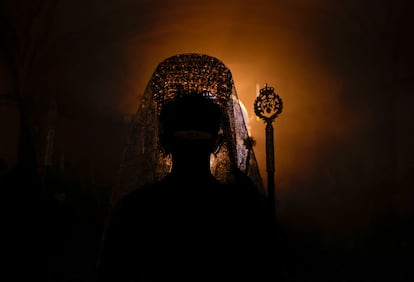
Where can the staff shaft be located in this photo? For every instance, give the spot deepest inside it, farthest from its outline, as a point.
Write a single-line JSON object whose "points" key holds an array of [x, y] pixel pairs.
{"points": [[270, 165]]}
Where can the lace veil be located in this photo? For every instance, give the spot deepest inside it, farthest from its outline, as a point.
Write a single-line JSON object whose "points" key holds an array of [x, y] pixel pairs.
{"points": [[144, 160]]}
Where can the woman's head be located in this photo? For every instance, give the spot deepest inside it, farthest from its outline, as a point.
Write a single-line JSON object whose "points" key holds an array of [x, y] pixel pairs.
{"points": [[191, 118]]}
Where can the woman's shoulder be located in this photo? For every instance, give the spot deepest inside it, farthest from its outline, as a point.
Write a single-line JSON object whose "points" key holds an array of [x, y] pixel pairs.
{"points": [[140, 196]]}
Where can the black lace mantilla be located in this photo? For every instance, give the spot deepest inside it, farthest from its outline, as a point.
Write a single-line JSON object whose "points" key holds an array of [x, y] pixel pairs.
{"points": [[143, 159]]}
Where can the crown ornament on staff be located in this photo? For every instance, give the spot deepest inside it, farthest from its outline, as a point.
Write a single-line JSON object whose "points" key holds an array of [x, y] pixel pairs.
{"points": [[268, 105]]}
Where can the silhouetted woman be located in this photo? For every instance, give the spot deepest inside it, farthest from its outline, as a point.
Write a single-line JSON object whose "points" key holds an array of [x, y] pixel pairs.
{"points": [[189, 225]]}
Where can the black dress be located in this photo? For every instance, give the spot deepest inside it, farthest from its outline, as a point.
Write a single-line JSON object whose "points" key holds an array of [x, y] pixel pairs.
{"points": [[179, 230]]}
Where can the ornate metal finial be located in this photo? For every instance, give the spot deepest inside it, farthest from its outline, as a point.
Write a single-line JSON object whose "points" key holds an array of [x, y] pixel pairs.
{"points": [[268, 105], [191, 73]]}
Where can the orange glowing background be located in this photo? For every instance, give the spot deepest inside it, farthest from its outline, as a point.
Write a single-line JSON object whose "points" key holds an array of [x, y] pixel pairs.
{"points": [[339, 144], [276, 44], [239, 35]]}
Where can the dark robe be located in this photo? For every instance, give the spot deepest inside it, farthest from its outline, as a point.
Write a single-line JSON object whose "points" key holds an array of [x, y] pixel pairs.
{"points": [[178, 230]]}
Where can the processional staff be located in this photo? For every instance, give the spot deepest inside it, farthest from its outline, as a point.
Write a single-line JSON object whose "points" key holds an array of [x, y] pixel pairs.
{"points": [[267, 106]]}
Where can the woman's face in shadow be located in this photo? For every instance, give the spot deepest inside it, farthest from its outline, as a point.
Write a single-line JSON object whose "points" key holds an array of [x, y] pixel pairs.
{"points": [[192, 143], [190, 126]]}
